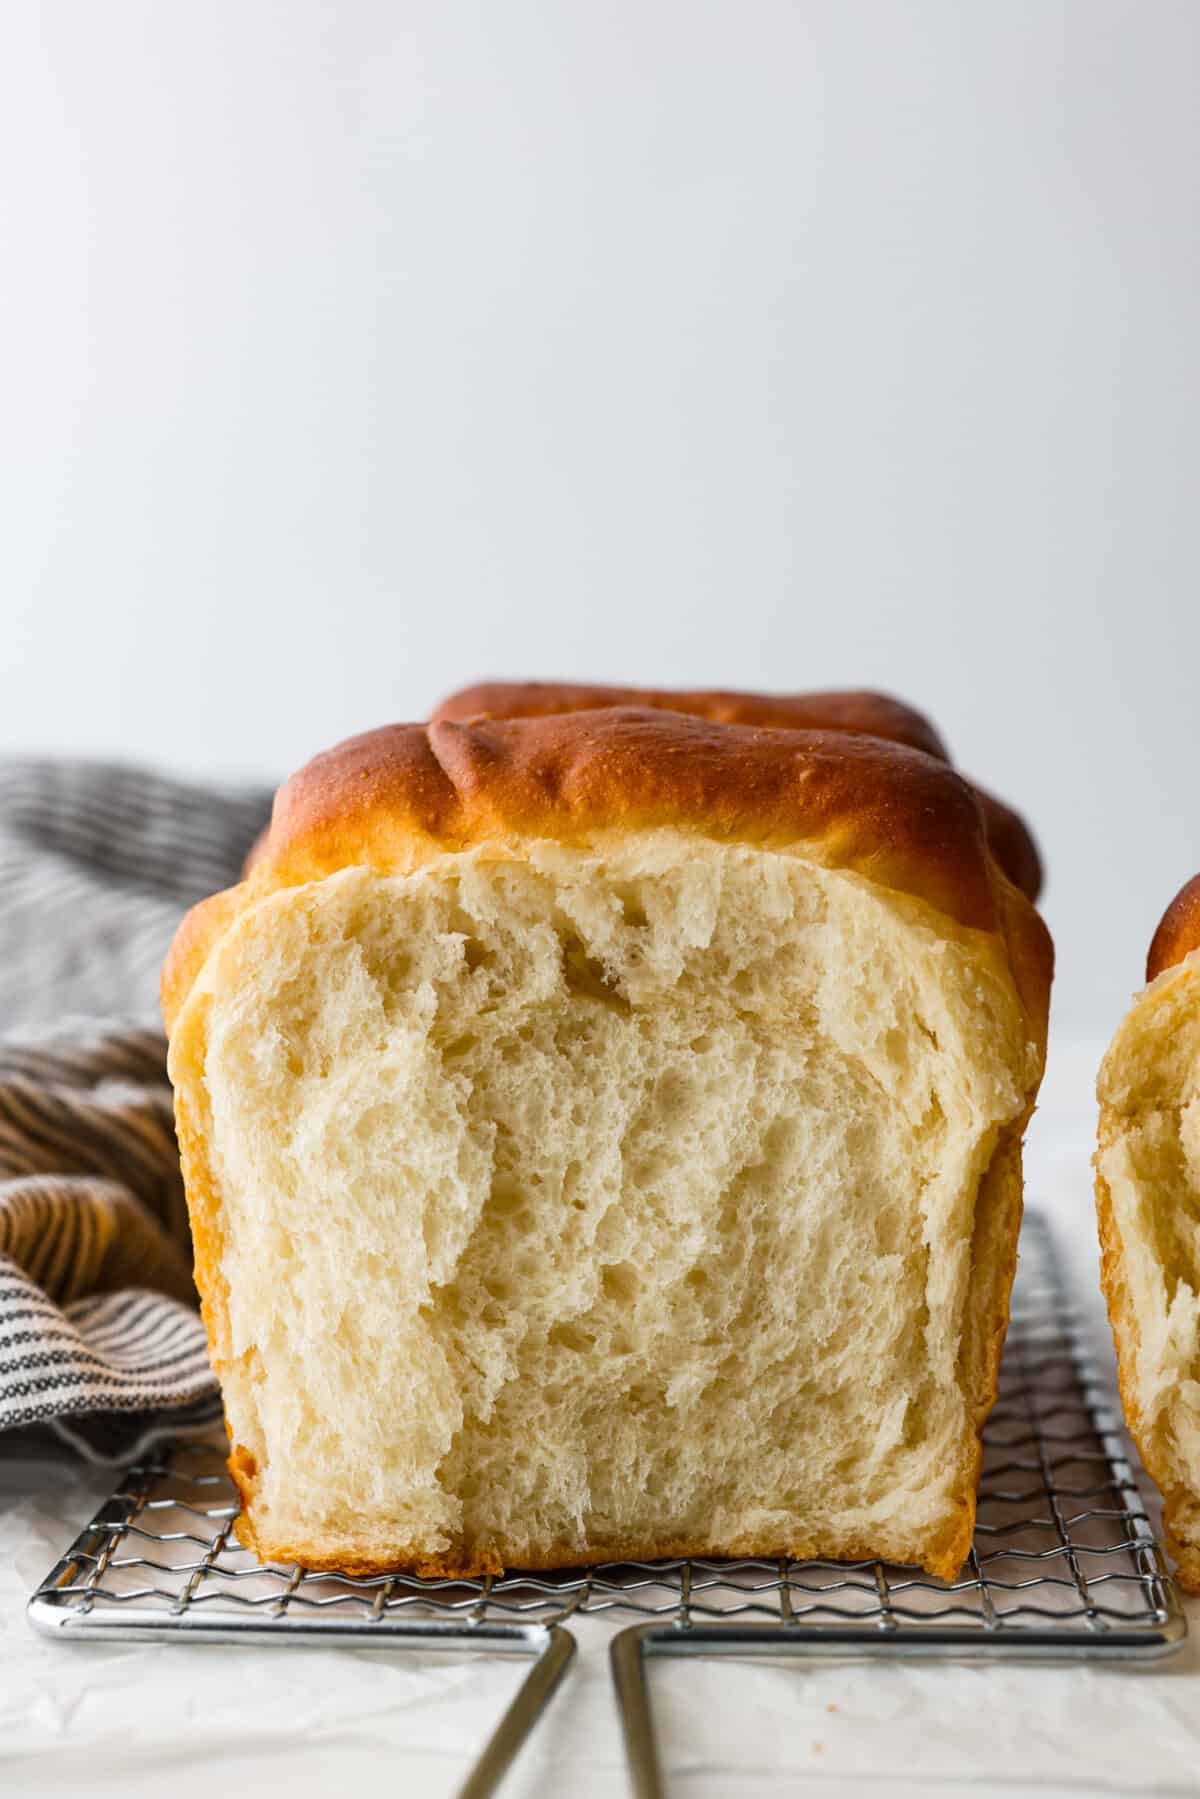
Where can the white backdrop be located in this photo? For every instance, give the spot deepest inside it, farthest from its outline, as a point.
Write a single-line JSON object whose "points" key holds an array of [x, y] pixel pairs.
{"points": [[350, 350]]}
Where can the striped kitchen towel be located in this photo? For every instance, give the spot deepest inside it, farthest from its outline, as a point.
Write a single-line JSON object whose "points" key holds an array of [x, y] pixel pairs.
{"points": [[99, 1336]]}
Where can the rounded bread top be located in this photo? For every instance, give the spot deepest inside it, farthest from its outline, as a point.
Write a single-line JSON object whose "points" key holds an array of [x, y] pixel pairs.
{"points": [[860, 713], [397, 798], [1178, 932]]}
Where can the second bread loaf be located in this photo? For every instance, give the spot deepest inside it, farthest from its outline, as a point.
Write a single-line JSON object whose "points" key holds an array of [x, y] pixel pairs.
{"points": [[1148, 1204]]}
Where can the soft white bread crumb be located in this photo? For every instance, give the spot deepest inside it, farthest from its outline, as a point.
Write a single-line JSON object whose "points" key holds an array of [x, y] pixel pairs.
{"points": [[646, 1198], [1148, 1197]]}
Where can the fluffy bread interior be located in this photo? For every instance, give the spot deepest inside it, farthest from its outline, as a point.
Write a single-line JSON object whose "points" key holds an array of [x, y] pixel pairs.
{"points": [[1148, 1193], [653, 1197]]}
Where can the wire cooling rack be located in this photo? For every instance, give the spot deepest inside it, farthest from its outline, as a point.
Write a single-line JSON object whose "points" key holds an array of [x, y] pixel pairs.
{"points": [[1064, 1565]]}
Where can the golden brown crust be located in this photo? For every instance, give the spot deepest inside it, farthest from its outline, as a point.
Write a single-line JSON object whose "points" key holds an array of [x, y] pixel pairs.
{"points": [[199, 930], [864, 713], [397, 797], [1178, 933], [205, 1221], [1178, 1502], [944, 1559], [1030, 950], [998, 1211], [858, 713], [1187, 1563], [1012, 843]]}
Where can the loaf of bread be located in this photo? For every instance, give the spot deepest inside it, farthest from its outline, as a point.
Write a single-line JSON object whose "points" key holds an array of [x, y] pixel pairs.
{"points": [[1148, 1207], [866, 714], [602, 1138]]}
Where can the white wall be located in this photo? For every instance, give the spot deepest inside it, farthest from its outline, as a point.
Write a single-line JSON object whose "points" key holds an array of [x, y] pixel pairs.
{"points": [[352, 349]]}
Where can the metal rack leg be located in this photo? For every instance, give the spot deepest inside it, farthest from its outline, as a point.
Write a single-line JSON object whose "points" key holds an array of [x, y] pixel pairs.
{"points": [[531, 1700], [637, 1720]]}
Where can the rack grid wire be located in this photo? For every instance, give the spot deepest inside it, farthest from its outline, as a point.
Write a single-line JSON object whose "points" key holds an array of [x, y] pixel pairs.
{"points": [[1064, 1563]]}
